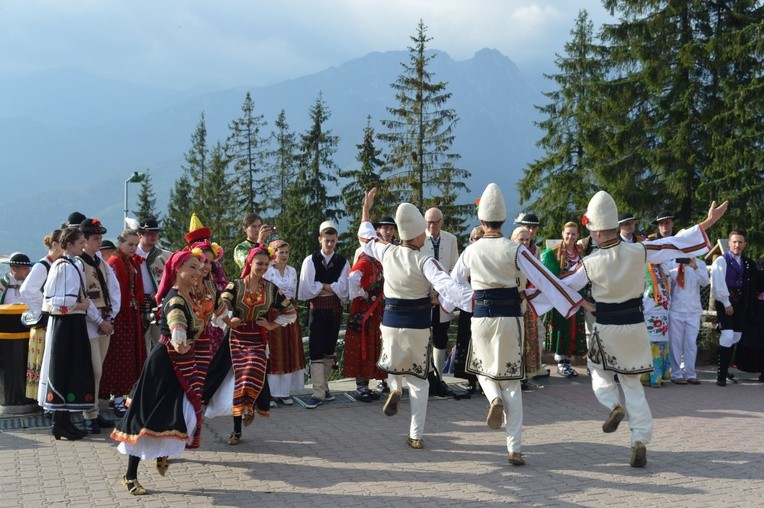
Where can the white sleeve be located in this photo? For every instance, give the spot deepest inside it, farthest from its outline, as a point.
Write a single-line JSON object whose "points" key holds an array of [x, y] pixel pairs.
{"points": [[115, 294], [702, 274], [30, 291], [354, 285], [689, 243], [61, 288], [451, 292], [461, 272], [559, 295], [719, 288], [340, 287], [178, 336], [309, 287], [283, 320]]}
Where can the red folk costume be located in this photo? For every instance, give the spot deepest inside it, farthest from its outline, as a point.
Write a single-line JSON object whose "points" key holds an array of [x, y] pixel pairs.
{"points": [[127, 351], [363, 339]]}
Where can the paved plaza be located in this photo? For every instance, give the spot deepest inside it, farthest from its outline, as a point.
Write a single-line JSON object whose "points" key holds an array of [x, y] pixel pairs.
{"points": [[707, 450]]}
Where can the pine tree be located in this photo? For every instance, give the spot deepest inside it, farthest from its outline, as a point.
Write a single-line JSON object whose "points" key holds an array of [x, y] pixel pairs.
{"points": [[368, 175], [147, 199], [309, 202], [734, 53], [189, 191], [419, 137], [281, 170], [559, 184], [248, 149], [178, 214], [218, 209], [658, 103]]}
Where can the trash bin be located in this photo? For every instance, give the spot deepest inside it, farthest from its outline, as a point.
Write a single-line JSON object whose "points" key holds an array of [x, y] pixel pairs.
{"points": [[14, 348]]}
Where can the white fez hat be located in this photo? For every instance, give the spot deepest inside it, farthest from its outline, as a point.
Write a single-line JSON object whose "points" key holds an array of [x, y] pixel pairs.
{"points": [[410, 221], [601, 214], [491, 207], [327, 224]]}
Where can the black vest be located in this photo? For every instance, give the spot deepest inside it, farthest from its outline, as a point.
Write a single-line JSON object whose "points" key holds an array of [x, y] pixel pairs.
{"points": [[331, 272]]}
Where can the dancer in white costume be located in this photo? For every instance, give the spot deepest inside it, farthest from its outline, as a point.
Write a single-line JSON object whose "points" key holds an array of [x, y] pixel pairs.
{"points": [[620, 343]]}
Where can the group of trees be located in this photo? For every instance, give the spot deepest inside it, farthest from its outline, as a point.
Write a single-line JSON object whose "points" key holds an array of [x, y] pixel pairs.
{"points": [[664, 109], [411, 160]]}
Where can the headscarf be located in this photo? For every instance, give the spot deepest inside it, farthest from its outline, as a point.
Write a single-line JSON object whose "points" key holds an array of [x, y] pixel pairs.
{"points": [[171, 268], [198, 249], [254, 251]]}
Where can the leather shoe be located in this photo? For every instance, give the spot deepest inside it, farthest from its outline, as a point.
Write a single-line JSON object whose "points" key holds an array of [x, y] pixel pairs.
{"points": [[638, 455], [495, 415], [417, 444], [693, 381], [679, 381], [516, 458], [91, 426], [393, 403], [613, 419]]}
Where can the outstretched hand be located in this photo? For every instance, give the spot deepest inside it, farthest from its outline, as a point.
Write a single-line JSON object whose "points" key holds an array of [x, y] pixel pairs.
{"points": [[368, 202], [714, 214]]}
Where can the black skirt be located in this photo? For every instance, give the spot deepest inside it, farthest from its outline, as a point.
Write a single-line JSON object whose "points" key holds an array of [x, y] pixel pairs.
{"points": [[70, 370], [156, 406]]}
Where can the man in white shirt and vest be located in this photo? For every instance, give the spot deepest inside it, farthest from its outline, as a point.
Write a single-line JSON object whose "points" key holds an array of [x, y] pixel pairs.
{"points": [[102, 289], [151, 273], [442, 246]]}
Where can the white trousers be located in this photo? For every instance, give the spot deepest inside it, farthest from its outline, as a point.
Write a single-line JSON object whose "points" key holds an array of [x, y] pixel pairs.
{"points": [[683, 337], [98, 349], [419, 391], [511, 394], [606, 391]]}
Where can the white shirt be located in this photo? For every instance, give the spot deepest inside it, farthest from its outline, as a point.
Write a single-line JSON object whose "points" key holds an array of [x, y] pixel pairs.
{"points": [[310, 288], [687, 299], [451, 293], [719, 289], [31, 289], [287, 283], [13, 295]]}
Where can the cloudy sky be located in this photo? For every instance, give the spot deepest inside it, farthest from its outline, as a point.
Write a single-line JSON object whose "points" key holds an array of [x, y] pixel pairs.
{"points": [[225, 43]]}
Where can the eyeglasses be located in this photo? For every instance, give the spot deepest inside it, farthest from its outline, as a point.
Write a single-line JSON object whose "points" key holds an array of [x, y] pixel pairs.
{"points": [[432, 222]]}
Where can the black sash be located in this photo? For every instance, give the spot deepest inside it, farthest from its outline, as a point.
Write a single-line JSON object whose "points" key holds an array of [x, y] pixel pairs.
{"points": [[500, 302], [401, 313], [629, 312]]}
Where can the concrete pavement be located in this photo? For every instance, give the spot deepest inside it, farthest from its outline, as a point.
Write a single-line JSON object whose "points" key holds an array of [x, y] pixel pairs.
{"points": [[707, 450]]}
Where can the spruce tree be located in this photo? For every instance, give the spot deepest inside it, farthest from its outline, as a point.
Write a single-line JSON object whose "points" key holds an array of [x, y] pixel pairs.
{"points": [[146, 199], [361, 179], [558, 185], [419, 137], [309, 201], [734, 53], [178, 215], [248, 149], [281, 170]]}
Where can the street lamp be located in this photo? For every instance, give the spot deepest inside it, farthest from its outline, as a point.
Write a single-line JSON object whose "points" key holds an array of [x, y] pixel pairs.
{"points": [[136, 177]]}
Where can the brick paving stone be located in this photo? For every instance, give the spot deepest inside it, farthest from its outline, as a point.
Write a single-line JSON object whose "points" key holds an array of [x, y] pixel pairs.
{"points": [[706, 451]]}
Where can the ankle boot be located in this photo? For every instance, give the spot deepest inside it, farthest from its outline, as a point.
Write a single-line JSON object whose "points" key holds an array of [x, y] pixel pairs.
{"points": [[60, 430], [70, 426]]}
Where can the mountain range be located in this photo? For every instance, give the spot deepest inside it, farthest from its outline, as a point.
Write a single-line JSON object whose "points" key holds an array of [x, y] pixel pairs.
{"points": [[69, 140]]}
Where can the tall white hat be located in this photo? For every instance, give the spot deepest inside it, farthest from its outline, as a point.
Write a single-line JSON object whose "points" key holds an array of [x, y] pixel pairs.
{"points": [[492, 208], [410, 221], [601, 213]]}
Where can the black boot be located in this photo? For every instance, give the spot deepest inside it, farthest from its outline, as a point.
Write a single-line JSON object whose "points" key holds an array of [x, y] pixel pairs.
{"points": [[725, 355], [71, 427], [60, 429]]}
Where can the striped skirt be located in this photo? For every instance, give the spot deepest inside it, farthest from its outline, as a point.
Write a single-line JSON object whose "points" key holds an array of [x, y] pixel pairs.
{"points": [[248, 361]]}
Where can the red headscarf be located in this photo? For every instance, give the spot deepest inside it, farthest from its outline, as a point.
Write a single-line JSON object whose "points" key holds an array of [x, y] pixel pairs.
{"points": [[260, 249], [171, 272]]}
